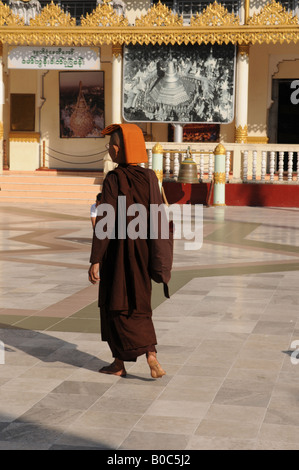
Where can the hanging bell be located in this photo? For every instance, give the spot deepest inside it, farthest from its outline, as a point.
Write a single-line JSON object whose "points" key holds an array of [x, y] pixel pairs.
{"points": [[188, 170]]}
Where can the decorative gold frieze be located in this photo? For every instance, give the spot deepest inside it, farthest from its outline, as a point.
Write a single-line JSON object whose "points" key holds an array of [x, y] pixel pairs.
{"points": [[53, 27], [273, 14], [104, 15], [219, 178], [241, 134], [159, 15], [53, 15], [214, 15], [7, 18]]}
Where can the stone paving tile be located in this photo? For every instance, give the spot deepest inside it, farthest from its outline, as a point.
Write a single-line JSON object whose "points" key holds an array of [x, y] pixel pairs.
{"points": [[224, 337]]}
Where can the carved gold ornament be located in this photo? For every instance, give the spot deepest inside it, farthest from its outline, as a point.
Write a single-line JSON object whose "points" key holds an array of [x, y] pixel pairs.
{"points": [[53, 15], [157, 148], [241, 134], [159, 15], [159, 174], [54, 27], [219, 178], [104, 15], [219, 150], [214, 15], [117, 50], [243, 49], [7, 18], [273, 14]]}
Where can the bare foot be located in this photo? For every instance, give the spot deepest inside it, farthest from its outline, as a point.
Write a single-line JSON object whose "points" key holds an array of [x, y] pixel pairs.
{"points": [[116, 368], [156, 369]]}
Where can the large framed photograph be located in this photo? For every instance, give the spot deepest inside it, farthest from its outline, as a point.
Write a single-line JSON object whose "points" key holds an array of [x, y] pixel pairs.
{"points": [[82, 104], [179, 83]]}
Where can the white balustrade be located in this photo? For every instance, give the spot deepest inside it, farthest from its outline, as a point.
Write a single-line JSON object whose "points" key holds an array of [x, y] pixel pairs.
{"points": [[167, 165], [211, 165], [201, 166], [263, 166], [254, 162], [245, 165], [290, 166], [150, 158], [272, 166], [280, 166], [227, 165], [176, 165]]}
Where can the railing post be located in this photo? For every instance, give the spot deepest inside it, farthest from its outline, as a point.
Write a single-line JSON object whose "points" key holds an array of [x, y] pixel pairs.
{"points": [[272, 165], [280, 166], [176, 165], [201, 165], [5, 160], [150, 158], [157, 162], [44, 167], [290, 166], [211, 164], [227, 166], [167, 166], [219, 176], [254, 161], [264, 165], [245, 166]]}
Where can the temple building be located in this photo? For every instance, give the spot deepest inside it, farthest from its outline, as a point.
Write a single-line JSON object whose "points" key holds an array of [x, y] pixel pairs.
{"points": [[70, 68]]}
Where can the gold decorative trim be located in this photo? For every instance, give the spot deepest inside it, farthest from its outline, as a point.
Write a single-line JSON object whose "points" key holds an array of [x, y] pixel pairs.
{"points": [[257, 139], [157, 148], [159, 174], [53, 27], [241, 134], [27, 137], [273, 14], [215, 15], [1, 130], [7, 18], [159, 15], [104, 15], [117, 50], [53, 15], [219, 178], [219, 150], [243, 49]]}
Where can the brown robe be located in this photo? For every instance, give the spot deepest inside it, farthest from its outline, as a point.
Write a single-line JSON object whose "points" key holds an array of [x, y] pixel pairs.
{"points": [[125, 285]]}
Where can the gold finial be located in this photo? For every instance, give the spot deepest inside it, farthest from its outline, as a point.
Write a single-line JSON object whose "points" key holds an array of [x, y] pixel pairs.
{"points": [[157, 148], [219, 150]]}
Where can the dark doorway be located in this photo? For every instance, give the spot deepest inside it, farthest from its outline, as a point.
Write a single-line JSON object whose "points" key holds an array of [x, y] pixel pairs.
{"points": [[288, 112]]}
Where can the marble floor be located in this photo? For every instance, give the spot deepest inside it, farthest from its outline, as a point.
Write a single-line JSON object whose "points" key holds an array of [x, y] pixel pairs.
{"points": [[227, 337]]}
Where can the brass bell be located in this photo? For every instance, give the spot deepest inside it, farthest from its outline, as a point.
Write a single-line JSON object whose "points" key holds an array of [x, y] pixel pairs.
{"points": [[188, 171]]}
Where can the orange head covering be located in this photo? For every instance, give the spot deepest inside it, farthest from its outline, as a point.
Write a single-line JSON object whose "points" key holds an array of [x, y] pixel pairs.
{"points": [[135, 150]]}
